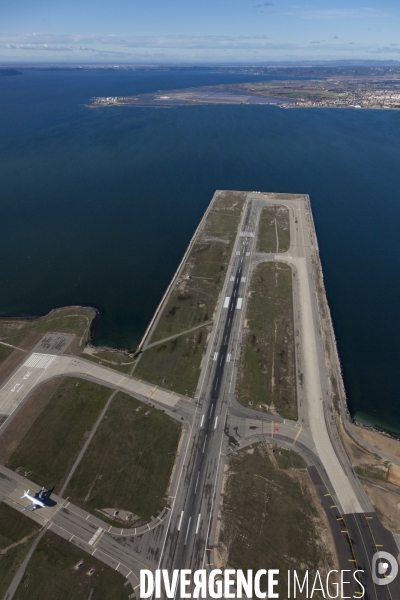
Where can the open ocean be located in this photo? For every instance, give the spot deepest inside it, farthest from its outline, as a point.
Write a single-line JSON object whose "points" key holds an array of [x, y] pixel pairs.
{"points": [[98, 206]]}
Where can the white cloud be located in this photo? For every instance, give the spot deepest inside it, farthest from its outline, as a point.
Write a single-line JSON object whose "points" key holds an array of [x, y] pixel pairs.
{"points": [[83, 48], [344, 13]]}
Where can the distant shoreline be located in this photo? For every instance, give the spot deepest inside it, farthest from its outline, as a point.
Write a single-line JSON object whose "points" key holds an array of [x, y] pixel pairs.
{"points": [[333, 92], [9, 72]]}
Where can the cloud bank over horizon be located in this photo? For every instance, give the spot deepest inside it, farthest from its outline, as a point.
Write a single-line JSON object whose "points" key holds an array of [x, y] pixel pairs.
{"points": [[222, 31]]}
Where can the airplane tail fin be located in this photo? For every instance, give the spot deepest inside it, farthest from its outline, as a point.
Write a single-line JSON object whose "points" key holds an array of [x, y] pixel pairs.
{"points": [[25, 494]]}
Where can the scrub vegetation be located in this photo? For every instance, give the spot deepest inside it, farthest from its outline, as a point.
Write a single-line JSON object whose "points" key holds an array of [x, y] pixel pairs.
{"points": [[270, 516], [17, 533], [4, 352], [129, 461], [53, 572], [51, 445], [266, 374], [193, 300], [25, 333], [274, 230], [120, 361]]}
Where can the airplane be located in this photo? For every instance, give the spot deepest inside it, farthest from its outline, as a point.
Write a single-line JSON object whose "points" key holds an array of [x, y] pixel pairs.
{"points": [[37, 500]]}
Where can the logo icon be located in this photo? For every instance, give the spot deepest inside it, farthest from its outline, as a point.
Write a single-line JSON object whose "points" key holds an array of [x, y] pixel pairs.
{"points": [[384, 568]]}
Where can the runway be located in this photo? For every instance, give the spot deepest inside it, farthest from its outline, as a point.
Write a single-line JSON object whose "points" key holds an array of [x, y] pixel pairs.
{"points": [[217, 426]]}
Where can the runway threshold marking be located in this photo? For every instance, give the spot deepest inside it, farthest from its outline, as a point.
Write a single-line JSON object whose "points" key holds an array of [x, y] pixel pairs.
{"points": [[40, 361], [202, 419], [180, 521], [216, 423]]}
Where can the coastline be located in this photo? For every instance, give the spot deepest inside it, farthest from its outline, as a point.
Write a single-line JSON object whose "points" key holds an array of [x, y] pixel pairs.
{"points": [[333, 362], [338, 396]]}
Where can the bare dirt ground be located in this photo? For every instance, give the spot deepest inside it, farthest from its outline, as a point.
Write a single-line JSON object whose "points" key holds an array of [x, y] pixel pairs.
{"points": [[10, 363], [366, 464], [394, 474], [386, 444]]}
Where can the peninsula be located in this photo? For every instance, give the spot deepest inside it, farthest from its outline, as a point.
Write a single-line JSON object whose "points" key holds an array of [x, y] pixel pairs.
{"points": [[235, 393]]}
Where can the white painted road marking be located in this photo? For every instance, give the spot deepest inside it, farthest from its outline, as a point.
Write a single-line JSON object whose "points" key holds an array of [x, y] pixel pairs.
{"points": [[239, 303], [215, 355], [40, 361], [180, 521], [198, 524], [95, 536], [228, 358], [216, 423], [232, 278], [202, 419], [243, 279], [197, 482], [187, 531], [205, 439], [226, 301]]}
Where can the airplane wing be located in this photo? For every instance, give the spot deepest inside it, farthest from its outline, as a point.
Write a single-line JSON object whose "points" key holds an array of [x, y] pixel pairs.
{"points": [[34, 506]]}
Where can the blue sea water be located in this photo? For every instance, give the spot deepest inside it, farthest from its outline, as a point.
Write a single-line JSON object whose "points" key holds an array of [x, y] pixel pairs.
{"points": [[98, 206]]}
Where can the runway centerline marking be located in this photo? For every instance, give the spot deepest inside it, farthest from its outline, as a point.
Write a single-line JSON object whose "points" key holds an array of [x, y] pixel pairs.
{"points": [[198, 524], [197, 482], [187, 530]]}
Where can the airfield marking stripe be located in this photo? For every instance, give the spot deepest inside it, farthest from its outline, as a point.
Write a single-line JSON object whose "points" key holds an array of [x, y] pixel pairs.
{"points": [[42, 362], [90, 370], [297, 436]]}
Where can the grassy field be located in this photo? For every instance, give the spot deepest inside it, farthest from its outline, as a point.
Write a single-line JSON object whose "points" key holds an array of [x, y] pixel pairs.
{"points": [[194, 298], [14, 529], [50, 574], [52, 443], [175, 364], [128, 463], [73, 319], [274, 219], [266, 375], [269, 517], [115, 360]]}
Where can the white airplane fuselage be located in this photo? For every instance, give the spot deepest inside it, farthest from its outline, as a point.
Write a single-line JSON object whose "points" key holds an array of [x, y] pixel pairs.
{"points": [[33, 499]]}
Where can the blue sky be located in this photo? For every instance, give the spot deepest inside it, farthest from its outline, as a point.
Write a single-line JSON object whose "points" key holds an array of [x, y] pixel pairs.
{"points": [[135, 31]]}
